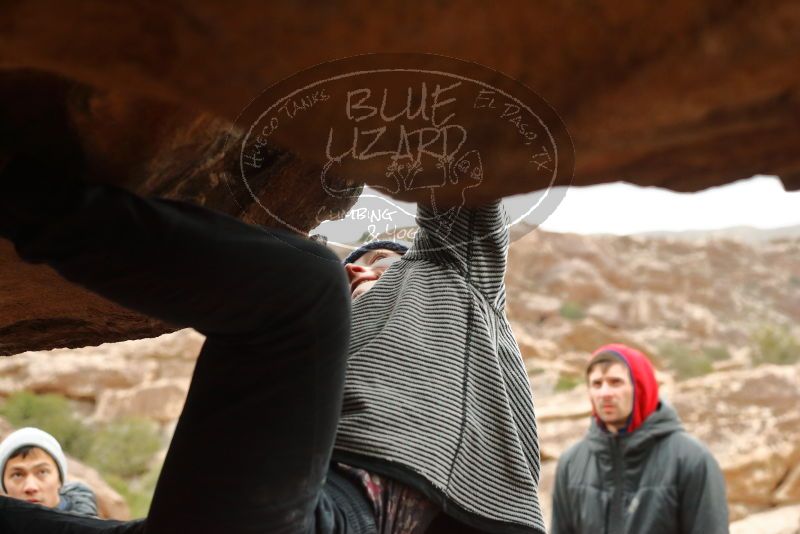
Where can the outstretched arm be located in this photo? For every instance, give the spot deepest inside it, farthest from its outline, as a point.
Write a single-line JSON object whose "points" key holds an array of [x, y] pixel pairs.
{"points": [[473, 241]]}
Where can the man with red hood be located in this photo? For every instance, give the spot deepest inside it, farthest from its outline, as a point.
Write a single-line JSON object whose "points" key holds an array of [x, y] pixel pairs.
{"points": [[637, 470]]}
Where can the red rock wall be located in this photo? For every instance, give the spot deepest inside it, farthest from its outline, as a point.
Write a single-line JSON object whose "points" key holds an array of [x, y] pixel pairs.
{"points": [[683, 95]]}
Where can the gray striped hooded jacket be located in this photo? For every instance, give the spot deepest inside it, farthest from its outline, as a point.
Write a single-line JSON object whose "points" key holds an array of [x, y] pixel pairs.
{"points": [[436, 393]]}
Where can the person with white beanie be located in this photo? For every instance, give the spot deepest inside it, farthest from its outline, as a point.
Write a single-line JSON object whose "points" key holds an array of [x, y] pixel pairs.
{"points": [[34, 469]]}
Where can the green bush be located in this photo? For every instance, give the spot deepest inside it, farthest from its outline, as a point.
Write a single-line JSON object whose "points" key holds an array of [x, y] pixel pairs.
{"points": [[717, 353], [567, 382], [572, 310], [138, 493], [125, 448], [684, 361], [775, 344], [51, 413]]}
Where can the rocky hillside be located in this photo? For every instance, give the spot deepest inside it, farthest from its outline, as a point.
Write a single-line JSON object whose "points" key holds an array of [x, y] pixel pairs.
{"points": [[694, 306], [719, 317]]}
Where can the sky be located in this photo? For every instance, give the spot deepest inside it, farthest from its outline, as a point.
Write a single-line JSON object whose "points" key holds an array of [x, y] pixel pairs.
{"points": [[621, 208], [616, 208]]}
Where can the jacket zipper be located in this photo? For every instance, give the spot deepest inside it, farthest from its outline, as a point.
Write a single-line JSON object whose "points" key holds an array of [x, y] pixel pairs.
{"points": [[617, 516]]}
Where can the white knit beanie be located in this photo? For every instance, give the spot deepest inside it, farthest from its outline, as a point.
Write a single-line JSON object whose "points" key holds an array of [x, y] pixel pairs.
{"points": [[35, 438]]}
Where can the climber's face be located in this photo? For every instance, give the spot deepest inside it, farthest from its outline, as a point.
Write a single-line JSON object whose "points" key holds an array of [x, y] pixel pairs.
{"points": [[611, 392], [367, 270], [33, 477]]}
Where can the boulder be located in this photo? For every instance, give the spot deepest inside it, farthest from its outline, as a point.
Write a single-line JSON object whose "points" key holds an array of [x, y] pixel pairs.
{"points": [[606, 313], [574, 280], [110, 504], [77, 376], [652, 95], [749, 419], [533, 308], [546, 480], [160, 401], [588, 335], [86, 373], [783, 520], [533, 348], [789, 489], [562, 419]]}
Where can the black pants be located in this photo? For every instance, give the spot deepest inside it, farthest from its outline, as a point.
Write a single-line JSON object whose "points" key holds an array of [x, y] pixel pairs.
{"points": [[252, 447]]}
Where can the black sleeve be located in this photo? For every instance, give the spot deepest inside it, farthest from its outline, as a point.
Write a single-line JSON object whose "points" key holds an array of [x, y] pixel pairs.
{"points": [[703, 502], [561, 522]]}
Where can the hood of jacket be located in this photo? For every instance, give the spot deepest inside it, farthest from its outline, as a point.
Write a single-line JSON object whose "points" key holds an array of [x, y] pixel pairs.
{"points": [[77, 498]]}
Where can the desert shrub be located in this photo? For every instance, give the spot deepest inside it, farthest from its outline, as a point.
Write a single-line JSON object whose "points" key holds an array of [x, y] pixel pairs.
{"points": [[567, 382], [51, 413], [717, 353], [125, 448], [572, 310], [775, 344], [138, 493], [684, 361]]}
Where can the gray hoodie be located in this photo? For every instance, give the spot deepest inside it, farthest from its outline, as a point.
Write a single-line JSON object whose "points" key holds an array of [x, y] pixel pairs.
{"points": [[655, 480]]}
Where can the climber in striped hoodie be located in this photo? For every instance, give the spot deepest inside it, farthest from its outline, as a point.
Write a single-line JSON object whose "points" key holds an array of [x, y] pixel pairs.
{"points": [[301, 417]]}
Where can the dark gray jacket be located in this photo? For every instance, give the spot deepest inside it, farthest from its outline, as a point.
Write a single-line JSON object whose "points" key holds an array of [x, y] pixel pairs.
{"points": [[655, 480]]}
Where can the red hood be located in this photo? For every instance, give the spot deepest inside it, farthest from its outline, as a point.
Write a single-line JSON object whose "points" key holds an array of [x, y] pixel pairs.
{"points": [[645, 387]]}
